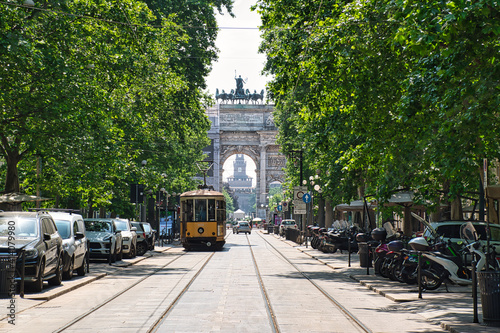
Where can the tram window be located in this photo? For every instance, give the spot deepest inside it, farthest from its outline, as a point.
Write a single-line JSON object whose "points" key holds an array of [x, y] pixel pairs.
{"points": [[221, 211], [211, 209], [201, 210], [187, 210]]}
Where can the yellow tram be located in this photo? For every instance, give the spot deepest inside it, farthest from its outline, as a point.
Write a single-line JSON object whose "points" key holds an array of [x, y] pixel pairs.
{"points": [[203, 219]]}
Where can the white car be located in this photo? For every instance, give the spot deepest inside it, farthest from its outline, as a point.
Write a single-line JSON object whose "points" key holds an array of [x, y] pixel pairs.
{"points": [[129, 234], [72, 230], [286, 224]]}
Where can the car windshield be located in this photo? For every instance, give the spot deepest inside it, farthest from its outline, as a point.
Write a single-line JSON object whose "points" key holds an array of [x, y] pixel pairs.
{"points": [[20, 226], [98, 226], [121, 225], [64, 228]]}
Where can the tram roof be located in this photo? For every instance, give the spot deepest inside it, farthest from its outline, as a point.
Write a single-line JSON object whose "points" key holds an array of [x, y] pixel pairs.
{"points": [[201, 193]]}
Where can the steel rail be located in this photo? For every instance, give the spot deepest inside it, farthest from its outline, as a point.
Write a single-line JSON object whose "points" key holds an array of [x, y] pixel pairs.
{"points": [[269, 309], [110, 299], [346, 312], [164, 315]]}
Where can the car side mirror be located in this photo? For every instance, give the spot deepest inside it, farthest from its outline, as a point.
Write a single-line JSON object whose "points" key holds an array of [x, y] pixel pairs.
{"points": [[79, 235], [133, 229], [118, 232], [46, 237]]}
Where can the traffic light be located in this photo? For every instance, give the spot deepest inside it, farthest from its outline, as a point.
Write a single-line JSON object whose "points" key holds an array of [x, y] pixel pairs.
{"points": [[136, 193]]}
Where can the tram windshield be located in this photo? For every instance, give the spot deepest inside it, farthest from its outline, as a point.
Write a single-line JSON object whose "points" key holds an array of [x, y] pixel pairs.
{"points": [[203, 210]]}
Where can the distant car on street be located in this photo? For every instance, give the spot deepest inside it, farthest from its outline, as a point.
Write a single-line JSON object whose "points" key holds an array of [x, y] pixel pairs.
{"points": [[243, 226], [286, 224], [105, 238], [72, 230]]}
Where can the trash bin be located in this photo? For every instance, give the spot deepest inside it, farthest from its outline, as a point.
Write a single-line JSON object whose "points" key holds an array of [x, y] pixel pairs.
{"points": [[489, 286], [270, 229], [364, 255]]}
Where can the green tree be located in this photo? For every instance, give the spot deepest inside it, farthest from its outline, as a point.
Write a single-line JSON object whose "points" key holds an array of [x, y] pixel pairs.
{"points": [[90, 89], [384, 94]]}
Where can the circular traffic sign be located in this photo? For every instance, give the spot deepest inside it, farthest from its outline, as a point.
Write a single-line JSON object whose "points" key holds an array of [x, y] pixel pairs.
{"points": [[306, 198]]}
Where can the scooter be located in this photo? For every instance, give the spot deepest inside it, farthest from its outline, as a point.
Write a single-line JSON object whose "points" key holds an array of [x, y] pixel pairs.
{"points": [[443, 267]]}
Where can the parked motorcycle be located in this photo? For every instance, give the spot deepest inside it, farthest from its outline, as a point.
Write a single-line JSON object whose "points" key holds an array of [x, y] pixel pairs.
{"points": [[440, 267]]}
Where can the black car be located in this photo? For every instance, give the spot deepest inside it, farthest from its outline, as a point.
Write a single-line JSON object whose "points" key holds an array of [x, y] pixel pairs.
{"points": [[35, 234], [145, 237]]}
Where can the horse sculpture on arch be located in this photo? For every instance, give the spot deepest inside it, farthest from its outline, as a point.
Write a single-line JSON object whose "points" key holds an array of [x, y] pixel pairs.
{"points": [[256, 97], [239, 94]]}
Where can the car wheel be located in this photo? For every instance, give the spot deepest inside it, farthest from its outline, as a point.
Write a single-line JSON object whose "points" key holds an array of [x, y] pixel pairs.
{"points": [[82, 270], [37, 286], [132, 253], [56, 280], [69, 273], [141, 248]]}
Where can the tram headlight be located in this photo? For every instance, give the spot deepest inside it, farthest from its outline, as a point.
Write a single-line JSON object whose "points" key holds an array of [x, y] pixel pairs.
{"points": [[201, 230]]}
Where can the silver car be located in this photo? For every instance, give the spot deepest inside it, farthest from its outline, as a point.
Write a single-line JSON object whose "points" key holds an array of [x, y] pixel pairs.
{"points": [[105, 239], [72, 230], [243, 226]]}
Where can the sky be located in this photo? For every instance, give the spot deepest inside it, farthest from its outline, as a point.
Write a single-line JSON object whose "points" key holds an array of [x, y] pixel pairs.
{"points": [[238, 55], [238, 50]]}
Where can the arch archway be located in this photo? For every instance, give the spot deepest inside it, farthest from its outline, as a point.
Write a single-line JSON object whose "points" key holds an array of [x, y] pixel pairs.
{"points": [[248, 130]]}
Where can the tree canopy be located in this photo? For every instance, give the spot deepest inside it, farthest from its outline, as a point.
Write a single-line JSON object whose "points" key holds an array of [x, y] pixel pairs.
{"points": [[386, 95], [92, 88]]}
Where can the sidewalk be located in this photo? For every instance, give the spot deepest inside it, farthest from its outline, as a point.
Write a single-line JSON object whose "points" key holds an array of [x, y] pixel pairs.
{"points": [[452, 309]]}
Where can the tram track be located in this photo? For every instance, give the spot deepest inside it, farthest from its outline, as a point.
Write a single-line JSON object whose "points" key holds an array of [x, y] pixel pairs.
{"points": [[164, 315], [349, 316], [269, 309], [123, 292]]}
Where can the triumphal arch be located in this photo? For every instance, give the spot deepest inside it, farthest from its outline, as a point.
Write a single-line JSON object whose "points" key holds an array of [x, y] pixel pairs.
{"points": [[245, 128]]}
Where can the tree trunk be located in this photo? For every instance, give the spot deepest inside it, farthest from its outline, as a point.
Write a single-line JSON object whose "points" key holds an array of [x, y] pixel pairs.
{"points": [[12, 180], [328, 214], [321, 211], [456, 213], [407, 225]]}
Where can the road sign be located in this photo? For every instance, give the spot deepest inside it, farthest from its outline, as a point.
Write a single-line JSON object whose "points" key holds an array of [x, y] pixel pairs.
{"points": [[298, 192], [306, 198], [280, 208], [299, 211]]}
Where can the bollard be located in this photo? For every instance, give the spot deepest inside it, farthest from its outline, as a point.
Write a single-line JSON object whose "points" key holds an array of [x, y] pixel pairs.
{"points": [[23, 264], [419, 274], [349, 250], [475, 318]]}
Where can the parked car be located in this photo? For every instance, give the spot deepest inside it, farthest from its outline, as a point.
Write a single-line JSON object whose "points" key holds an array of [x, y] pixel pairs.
{"points": [[150, 234], [129, 234], [36, 234], [243, 226], [105, 239], [450, 230], [286, 224], [145, 237], [72, 230]]}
